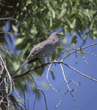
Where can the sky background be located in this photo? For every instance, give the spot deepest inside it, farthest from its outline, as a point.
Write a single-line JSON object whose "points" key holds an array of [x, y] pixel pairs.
{"points": [[86, 95]]}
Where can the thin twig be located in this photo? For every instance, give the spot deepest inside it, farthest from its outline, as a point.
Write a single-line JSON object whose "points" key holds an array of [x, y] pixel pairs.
{"points": [[48, 80], [89, 53], [69, 87], [65, 77], [34, 102], [85, 60], [4, 48], [41, 91], [23, 93], [11, 19], [74, 82], [78, 49], [62, 98], [75, 101], [80, 72], [6, 5], [10, 79]]}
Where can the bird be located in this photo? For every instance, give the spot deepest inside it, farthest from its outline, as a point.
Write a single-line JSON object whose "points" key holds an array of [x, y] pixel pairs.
{"points": [[42, 50]]}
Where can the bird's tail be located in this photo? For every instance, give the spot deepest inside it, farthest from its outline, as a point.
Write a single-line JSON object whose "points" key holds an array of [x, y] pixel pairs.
{"points": [[23, 64]]}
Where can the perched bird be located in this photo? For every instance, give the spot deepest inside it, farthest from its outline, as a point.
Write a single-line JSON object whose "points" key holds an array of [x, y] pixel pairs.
{"points": [[42, 50]]}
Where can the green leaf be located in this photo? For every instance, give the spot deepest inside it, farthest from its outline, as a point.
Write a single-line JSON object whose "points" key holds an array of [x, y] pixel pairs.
{"points": [[17, 4], [53, 14], [73, 24], [95, 32], [85, 38], [28, 2], [52, 74], [14, 28], [52, 5], [63, 12], [81, 53], [50, 22], [19, 40], [74, 40]]}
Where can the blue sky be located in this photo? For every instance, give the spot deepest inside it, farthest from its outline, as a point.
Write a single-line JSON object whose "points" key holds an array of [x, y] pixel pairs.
{"points": [[86, 95]]}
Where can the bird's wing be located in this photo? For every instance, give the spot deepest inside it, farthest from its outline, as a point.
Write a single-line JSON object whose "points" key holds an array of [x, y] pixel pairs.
{"points": [[35, 51], [42, 49]]}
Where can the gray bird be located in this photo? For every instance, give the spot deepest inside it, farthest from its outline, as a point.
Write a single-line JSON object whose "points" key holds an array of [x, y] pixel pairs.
{"points": [[41, 50]]}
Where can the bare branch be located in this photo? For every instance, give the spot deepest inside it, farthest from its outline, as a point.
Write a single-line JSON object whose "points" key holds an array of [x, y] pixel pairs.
{"points": [[74, 82], [80, 72], [34, 102], [18, 94], [44, 98], [68, 87], [62, 98], [78, 49], [89, 53], [85, 60], [75, 101], [10, 79], [65, 78], [11, 19], [6, 5], [4, 48], [48, 80]]}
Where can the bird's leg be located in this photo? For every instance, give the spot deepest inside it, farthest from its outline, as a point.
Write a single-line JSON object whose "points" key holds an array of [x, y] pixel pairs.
{"points": [[50, 59]]}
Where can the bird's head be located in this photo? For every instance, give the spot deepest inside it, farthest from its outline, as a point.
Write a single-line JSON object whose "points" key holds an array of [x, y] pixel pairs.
{"points": [[56, 35]]}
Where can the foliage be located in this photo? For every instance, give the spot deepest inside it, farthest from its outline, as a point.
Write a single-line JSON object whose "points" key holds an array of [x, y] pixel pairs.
{"points": [[40, 17]]}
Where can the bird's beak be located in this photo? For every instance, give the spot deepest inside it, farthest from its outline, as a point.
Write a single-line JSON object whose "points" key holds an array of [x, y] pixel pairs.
{"points": [[60, 34]]}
